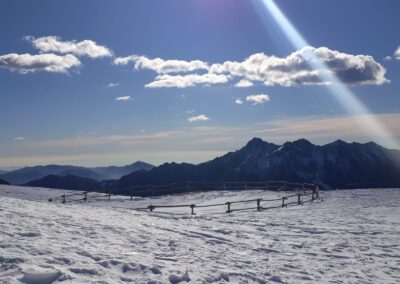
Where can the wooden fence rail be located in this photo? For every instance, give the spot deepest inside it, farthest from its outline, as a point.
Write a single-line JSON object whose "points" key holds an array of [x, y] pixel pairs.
{"points": [[300, 190]]}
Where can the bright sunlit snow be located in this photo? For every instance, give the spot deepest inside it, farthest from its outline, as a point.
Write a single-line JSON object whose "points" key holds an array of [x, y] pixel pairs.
{"points": [[350, 237]]}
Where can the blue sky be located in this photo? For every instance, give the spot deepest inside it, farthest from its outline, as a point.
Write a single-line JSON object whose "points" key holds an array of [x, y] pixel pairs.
{"points": [[63, 66]]}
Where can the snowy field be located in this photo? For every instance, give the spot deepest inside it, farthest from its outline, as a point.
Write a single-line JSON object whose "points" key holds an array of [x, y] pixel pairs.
{"points": [[351, 237]]}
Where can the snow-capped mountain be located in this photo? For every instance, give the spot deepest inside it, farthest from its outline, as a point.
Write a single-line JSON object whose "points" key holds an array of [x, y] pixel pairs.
{"points": [[338, 164]]}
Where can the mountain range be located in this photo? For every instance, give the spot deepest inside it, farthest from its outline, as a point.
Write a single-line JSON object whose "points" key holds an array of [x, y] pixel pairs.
{"points": [[28, 174], [334, 165]]}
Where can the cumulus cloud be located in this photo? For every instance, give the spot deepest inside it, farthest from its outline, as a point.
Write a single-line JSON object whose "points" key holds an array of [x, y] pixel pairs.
{"points": [[27, 63], [201, 117], [125, 98], [258, 99], [184, 81], [397, 53], [296, 69], [238, 101], [162, 66], [243, 84], [82, 48], [302, 67]]}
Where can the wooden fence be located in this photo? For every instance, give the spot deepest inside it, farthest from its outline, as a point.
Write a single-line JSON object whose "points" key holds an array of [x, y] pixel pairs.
{"points": [[299, 191]]}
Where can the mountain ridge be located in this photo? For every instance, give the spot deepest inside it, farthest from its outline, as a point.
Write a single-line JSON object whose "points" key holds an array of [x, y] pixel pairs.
{"points": [[334, 165], [28, 174]]}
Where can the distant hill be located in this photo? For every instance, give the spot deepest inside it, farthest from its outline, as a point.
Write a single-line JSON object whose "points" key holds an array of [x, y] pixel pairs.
{"points": [[27, 174], [114, 172], [335, 165], [66, 182], [2, 181]]}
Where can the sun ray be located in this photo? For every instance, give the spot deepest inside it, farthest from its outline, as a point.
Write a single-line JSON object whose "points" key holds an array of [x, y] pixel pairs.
{"points": [[339, 90]]}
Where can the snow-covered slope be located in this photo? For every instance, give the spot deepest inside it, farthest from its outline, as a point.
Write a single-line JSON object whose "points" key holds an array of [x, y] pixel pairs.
{"points": [[351, 237]]}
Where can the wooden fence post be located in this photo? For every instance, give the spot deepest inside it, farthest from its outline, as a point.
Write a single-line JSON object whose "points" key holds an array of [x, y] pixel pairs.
{"points": [[85, 197], [298, 198], [192, 208], [283, 201], [151, 208], [259, 204], [63, 201], [229, 207], [109, 195], [313, 195]]}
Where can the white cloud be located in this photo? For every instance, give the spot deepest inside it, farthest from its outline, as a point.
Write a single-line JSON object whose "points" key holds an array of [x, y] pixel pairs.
{"points": [[81, 48], [184, 81], [112, 85], [243, 84], [295, 69], [201, 117], [388, 58], [238, 101], [258, 99], [26, 63], [397, 53], [162, 66], [20, 138], [125, 98]]}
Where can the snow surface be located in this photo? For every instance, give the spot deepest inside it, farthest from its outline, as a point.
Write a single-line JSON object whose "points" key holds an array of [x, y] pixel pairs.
{"points": [[351, 237]]}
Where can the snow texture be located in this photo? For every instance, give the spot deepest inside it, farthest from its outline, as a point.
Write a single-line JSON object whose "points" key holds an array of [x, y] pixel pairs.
{"points": [[351, 237]]}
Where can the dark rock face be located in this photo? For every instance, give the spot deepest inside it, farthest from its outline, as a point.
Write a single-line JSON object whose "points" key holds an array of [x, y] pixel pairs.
{"points": [[335, 165]]}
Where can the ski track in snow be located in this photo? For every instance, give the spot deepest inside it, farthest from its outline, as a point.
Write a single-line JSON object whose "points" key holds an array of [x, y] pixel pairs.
{"points": [[351, 237]]}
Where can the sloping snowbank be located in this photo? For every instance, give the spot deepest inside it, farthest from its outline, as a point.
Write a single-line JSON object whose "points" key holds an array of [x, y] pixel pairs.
{"points": [[351, 237]]}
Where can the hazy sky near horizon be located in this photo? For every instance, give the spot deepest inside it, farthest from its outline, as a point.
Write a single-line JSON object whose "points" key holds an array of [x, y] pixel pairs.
{"points": [[110, 82]]}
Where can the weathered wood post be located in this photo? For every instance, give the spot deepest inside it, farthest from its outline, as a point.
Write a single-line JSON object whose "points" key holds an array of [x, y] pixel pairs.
{"points": [[192, 208], [85, 197], [313, 195], [259, 204], [317, 192], [304, 189], [151, 208], [229, 207], [283, 201], [63, 198], [109, 195], [298, 198]]}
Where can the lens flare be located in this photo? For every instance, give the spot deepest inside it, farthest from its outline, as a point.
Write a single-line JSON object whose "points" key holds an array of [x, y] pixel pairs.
{"points": [[338, 89]]}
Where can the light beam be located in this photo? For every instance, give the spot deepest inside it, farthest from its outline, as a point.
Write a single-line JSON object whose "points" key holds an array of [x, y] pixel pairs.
{"points": [[339, 90]]}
